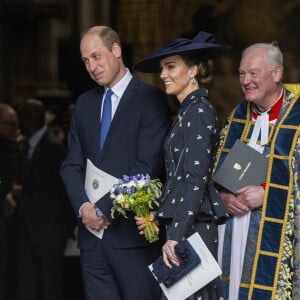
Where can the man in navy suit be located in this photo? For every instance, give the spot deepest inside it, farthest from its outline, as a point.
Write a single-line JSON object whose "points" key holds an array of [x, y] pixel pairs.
{"points": [[114, 267], [44, 212]]}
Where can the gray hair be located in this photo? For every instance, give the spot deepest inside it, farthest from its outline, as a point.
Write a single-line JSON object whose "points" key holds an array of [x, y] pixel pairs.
{"points": [[272, 50]]}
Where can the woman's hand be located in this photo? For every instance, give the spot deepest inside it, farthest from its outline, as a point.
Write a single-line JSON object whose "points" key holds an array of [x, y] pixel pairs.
{"points": [[140, 222], [169, 255]]}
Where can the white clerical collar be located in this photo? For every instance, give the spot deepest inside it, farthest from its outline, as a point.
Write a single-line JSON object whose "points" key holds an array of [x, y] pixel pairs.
{"points": [[261, 127]]}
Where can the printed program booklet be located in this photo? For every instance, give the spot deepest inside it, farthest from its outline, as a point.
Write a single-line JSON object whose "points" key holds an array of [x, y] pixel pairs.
{"points": [[97, 184], [198, 277]]}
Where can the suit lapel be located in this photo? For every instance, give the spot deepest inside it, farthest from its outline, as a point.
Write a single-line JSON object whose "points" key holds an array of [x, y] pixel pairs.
{"points": [[125, 101], [94, 116]]}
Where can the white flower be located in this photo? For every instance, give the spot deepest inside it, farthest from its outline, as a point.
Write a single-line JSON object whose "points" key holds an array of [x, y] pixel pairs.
{"points": [[120, 197], [141, 183], [130, 184]]}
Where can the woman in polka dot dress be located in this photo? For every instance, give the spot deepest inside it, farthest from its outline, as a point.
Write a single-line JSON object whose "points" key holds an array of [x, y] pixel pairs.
{"points": [[186, 68]]}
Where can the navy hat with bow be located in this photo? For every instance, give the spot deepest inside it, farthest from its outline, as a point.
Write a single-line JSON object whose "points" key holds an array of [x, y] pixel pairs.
{"points": [[202, 44]]}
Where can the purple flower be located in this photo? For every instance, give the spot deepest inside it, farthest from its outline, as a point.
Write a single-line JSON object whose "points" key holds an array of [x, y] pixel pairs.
{"points": [[124, 190]]}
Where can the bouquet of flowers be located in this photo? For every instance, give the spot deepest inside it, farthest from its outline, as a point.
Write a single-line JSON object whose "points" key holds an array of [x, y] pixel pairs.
{"points": [[138, 194]]}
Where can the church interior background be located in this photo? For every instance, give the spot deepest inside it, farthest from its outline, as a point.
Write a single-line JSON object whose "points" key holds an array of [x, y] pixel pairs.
{"points": [[39, 41]]}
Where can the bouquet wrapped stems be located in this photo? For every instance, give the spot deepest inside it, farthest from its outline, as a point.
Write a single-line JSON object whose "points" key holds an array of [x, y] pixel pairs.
{"points": [[151, 230]]}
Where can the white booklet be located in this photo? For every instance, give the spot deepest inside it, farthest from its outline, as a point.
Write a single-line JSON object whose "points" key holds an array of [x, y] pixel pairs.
{"points": [[198, 277], [97, 184]]}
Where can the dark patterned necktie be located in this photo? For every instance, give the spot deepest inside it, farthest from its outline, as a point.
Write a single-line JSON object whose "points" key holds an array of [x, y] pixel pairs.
{"points": [[106, 117]]}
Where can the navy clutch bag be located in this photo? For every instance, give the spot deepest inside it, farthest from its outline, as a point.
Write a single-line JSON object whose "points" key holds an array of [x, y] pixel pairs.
{"points": [[188, 258]]}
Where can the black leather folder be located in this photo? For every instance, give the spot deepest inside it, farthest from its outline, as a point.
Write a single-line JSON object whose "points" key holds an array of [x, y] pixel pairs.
{"points": [[241, 167]]}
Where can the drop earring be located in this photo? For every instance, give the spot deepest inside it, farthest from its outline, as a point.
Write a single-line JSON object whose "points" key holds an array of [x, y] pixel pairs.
{"points": [[193, 79]]}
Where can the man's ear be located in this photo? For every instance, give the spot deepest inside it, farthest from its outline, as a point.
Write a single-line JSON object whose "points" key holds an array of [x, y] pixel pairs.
{"points": [[116, 50], [277, 73]]}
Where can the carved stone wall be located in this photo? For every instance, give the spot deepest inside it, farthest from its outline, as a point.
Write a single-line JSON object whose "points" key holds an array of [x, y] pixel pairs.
{"points": [[30, 34], [148, 24]]}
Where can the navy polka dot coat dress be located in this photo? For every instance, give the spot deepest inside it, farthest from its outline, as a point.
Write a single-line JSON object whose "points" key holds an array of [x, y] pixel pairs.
{"points": [[189, 154]]}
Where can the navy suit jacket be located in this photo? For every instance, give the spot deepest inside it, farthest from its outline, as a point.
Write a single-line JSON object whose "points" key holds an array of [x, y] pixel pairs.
{"points": [[134, 144]]}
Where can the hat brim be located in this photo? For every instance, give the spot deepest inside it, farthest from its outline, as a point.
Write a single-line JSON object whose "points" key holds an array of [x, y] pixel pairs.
{"points": [[151, 63]]}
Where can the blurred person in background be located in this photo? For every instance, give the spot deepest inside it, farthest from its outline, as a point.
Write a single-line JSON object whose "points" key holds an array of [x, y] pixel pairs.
{"points": [[43, 213], [8, 132]]}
